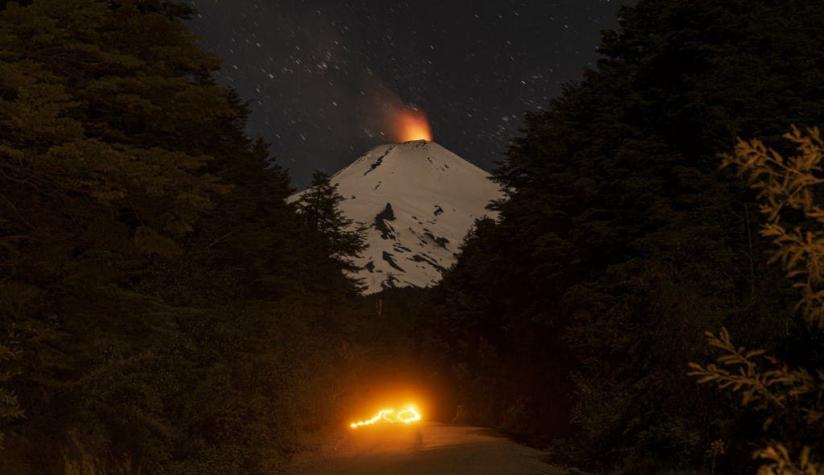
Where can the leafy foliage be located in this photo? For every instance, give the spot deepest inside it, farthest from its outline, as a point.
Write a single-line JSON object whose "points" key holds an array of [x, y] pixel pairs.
{"points": [[571, 319], [789, 397], [9, 405], [162, 308]]}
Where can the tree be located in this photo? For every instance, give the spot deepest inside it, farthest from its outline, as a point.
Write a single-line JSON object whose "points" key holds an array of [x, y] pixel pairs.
{"points": [[102, 188], [319, 207], [162, 308], [9, 406], [791, 399], [620, 241]]}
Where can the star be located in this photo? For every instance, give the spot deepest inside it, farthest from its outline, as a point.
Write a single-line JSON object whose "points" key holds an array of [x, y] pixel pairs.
{"points": [[319, 72]]}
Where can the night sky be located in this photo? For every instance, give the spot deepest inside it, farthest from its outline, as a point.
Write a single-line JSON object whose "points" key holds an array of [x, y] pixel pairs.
{"points": [[321, 75]]}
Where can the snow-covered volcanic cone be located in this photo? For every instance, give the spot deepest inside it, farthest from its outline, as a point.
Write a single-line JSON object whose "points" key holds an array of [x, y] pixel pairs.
{"points": [[417, 200]]}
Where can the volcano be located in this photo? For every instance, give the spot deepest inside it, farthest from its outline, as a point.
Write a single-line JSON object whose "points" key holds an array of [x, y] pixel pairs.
{"points": [[417, 201]]}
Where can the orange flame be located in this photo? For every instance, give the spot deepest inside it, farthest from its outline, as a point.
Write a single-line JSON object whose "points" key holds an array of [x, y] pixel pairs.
{"points": [[407, 415], [411, 124]]}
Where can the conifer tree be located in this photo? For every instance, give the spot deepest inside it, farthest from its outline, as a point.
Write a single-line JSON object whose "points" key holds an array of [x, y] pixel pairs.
{"points": [[320, 208]]}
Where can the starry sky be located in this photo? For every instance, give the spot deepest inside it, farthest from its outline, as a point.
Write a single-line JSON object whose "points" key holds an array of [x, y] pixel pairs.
{"points": [[320, 75]]}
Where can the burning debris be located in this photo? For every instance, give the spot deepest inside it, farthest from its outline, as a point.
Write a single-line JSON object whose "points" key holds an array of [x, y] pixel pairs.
{"points": [[407, 415]]}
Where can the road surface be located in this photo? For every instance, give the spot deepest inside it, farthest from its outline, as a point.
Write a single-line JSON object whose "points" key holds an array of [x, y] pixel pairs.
{"points": [[425, 449]]}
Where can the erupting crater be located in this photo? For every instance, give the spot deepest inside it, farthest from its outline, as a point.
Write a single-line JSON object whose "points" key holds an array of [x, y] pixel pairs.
{"points": [[411, 124]]}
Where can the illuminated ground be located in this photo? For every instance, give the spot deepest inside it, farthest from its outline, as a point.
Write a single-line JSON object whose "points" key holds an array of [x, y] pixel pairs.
{"points": [[427, 449]]}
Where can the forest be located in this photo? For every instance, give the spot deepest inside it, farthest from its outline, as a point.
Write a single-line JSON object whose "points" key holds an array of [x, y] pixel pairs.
{"points": [[649, 299]]}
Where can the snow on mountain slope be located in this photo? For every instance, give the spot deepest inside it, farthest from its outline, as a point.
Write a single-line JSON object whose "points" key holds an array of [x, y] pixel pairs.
{"points": [[417, 201]]}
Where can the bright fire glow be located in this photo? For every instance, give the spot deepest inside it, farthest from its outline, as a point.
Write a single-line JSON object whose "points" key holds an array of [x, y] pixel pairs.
{"points": [[407, 415], [411, 124]]}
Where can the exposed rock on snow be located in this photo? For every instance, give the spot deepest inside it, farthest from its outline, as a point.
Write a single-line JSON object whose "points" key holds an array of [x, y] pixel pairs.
{"points": [[417, 201]]}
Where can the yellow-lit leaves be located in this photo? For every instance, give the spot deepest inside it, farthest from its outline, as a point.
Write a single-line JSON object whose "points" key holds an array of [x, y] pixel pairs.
{"points": [[791, 184], [779, 462], [783, 184], [738, 370]]}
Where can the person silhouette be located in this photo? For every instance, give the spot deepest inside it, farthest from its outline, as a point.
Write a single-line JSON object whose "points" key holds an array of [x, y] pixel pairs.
{"points": [[418, 438]]}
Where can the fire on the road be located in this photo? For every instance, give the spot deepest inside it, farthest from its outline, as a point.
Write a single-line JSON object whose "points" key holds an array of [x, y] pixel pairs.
{"points": [[407, 415]]}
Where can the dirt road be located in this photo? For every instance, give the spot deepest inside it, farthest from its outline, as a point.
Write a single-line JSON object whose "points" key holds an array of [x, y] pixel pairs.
{"points": [[427, 449]]}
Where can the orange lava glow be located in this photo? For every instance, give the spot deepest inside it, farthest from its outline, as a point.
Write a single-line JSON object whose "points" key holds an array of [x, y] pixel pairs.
{"points": [[411, 124], [407, 415]]}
